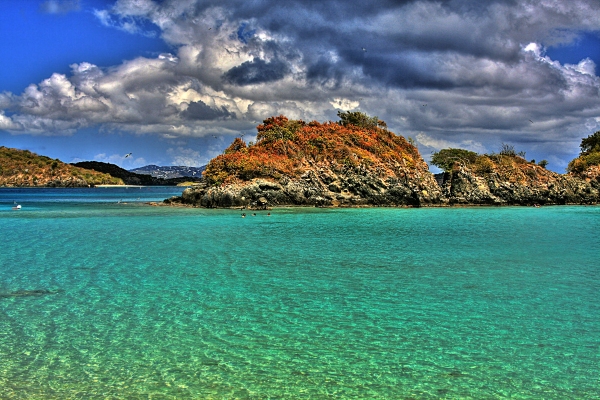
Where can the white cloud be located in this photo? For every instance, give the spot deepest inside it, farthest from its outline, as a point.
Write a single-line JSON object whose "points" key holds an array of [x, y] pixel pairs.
{"points": [[439, 143], [448, 77], [127, 16], [7, 124], [344, 104], [186, 156]]}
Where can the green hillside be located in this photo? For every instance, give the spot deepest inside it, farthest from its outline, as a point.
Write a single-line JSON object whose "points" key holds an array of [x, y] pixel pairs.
{"points": [[22, 168]]}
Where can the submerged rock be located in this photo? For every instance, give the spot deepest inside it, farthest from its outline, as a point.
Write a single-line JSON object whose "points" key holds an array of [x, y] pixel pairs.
{"points": [[27, 293]]}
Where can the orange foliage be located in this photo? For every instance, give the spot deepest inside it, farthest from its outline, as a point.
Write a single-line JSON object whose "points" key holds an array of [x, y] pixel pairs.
{"points": [[287, 147]]}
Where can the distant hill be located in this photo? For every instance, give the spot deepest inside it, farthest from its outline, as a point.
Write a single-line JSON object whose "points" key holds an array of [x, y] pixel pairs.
{"points": [[131, 178], [22, 168], [169, 172]]}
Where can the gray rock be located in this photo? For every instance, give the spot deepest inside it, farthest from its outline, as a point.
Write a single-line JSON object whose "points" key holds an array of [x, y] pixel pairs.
{"points": [[463, 186], [323, 185]]}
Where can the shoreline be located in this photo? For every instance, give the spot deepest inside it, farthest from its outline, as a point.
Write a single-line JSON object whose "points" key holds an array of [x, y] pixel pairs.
{"points": [[185, 205], [120, 186]]}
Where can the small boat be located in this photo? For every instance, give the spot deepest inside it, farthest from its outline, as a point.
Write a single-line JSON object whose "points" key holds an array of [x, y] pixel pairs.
{"points": [[16, 206]]}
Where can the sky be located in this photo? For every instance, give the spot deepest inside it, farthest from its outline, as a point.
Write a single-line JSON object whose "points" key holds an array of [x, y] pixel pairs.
{"points": [[174, 82]]}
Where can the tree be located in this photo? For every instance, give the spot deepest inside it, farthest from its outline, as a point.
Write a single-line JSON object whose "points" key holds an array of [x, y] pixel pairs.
{"points": [[590, 143], [509, 150], [237, 145], [359, 119], [590, 154], [278, 128], [543, 163], [446, 158]]}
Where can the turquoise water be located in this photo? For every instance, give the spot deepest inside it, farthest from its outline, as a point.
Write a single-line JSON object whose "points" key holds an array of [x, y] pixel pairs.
{"points": [[171, 303]]}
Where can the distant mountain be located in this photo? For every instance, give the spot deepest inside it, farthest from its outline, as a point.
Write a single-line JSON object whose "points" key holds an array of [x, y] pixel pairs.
{"points": [[170, 172], [131, 178]]}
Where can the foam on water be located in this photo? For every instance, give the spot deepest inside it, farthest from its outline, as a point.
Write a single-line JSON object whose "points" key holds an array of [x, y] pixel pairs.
{"points": [[154, 302]]}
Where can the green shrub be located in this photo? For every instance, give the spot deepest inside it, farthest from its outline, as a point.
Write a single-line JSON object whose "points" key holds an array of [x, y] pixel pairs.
{"points": [[590, 154], [509, 151], [483, 164], [584, 161], [446, 158], [360, 119]]}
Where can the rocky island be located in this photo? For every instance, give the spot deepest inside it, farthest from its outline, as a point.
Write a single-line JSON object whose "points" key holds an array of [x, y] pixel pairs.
{"points": [[357, 161], [507, 178], [354, 162]]}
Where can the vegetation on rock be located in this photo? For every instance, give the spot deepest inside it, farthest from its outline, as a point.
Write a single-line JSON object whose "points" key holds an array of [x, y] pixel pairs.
{"points": [[507, 178], [589, 155], [24, 168], [287, 147], [353, 162], [507, 162], [446, 158]]}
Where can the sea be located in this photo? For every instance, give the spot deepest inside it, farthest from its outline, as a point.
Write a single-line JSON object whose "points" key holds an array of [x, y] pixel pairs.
{"points": [[103, 296]]}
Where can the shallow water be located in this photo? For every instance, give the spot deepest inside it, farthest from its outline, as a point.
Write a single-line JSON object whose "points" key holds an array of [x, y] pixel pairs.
{"points": [[165, 303]]}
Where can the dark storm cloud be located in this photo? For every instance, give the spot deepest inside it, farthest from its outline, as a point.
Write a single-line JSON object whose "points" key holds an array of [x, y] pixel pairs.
{"points": [[493, 30], [325, 73], [198, 110], [256, 71], [271, 9]]}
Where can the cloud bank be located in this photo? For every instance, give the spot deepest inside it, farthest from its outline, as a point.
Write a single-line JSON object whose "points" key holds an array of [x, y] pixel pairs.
{"points": [[458, 73]]}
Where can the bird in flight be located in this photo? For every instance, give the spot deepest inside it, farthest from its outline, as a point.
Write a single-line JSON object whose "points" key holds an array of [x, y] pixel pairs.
{"points": [[531, 121], [363, 49], [128, 155]]}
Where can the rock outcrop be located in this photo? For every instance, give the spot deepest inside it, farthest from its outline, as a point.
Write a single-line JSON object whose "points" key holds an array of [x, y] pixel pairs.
{"points": [[298, 164], [320, 186], [590, 175], [514, 181]]}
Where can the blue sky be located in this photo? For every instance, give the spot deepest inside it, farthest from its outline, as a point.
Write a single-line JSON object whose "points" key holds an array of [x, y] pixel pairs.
{"points": [[174, 82], [37, 43], [586, 45]]}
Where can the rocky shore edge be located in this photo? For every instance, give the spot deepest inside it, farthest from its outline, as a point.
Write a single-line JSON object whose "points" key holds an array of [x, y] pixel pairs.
{"points": [[461, 187]]}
